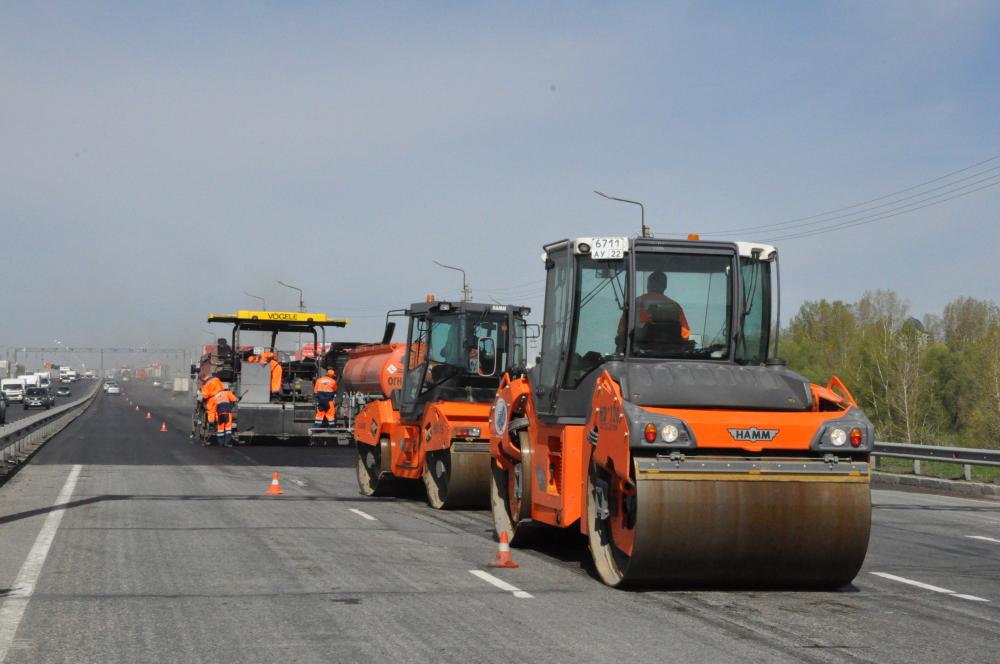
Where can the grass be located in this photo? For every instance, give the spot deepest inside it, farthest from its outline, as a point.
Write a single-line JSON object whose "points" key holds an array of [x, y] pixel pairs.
{"points": [[943, 469]]}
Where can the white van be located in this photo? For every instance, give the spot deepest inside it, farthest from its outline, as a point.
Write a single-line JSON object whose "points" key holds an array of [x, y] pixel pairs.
{"points": [[13, 389]]}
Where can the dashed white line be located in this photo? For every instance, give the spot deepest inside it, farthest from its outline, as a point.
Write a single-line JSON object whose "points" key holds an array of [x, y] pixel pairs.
{"points": [[363, 515], [24, 585], [500, 583], [927, 586], [984, 538]]}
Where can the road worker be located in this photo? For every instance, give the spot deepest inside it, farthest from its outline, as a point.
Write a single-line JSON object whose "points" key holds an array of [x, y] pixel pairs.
{"points": [[656, 284], [325, 388], [211, 387], [223, 404], [276, 373]]}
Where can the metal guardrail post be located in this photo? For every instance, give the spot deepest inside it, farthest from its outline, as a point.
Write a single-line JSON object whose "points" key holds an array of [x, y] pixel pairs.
{"points": [[967, 472], [916, 466]]}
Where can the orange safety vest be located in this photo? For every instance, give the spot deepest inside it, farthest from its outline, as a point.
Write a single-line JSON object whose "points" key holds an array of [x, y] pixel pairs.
{"points": [[211, 388], [643, 317], [325, 384], [223, 397], [275, 375]]}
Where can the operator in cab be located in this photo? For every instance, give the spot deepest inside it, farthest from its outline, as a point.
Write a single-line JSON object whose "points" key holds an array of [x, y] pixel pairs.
{"points": [[646, 305]]}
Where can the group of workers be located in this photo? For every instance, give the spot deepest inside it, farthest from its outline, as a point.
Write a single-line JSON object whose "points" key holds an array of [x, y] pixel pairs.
{"points": [[219, 399]]}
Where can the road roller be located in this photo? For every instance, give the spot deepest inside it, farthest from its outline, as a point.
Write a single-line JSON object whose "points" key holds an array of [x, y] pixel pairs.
{"points": [[660, 421], [431, 426]]}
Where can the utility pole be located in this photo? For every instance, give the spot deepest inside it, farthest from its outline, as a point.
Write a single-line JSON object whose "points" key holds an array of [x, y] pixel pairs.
{"points": [[466, 291], [263, 303], [302, 305], [642, 211]]}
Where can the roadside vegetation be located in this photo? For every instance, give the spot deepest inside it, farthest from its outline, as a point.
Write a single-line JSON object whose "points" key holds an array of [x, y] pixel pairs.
{"points": [[934, 380]]}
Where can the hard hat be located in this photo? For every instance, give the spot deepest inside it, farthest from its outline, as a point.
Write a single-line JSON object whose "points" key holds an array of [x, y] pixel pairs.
{"points": [[331, 373]]}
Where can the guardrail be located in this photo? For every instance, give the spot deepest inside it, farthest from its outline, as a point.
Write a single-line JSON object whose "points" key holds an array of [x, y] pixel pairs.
{"points": [[967, 456], [18, 440]]}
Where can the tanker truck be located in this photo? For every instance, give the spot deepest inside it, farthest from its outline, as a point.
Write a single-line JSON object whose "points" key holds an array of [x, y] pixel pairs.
{"points": [[428, 400], [370, 373]]}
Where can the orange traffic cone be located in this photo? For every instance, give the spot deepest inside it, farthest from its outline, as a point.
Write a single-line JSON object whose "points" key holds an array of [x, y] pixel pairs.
{"points": [[163, 429], [275, 489], [149, 415], [504, 559]]}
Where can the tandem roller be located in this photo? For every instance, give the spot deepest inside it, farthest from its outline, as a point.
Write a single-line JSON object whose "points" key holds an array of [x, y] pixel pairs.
{"points": [[661, 423]]}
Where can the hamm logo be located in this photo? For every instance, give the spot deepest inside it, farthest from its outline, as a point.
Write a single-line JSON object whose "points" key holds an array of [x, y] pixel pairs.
{"points": [[753, 435]]}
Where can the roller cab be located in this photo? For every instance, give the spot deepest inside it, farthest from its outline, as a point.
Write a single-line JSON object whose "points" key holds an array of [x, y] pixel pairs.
{"points": [[433, 427], [659, 422]]}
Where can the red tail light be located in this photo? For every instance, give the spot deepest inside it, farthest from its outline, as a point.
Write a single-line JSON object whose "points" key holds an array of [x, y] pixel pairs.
{"points": [[856, 437], [649, 433]]}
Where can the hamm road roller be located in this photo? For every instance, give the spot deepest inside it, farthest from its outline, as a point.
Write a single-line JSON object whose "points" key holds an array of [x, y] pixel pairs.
{"points": [[660, 423], [434, 426]]}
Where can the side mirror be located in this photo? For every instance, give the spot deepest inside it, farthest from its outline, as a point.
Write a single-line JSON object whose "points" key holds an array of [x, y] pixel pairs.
{"points": [[487, 351], [194, 370]]}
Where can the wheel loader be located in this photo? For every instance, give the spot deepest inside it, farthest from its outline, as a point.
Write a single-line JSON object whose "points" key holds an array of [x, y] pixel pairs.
{"points": [[660, 423], [426, 419]]}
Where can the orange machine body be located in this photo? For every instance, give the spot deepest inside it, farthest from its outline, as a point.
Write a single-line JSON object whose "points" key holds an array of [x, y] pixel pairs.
{"points": [[409, 441], [562, 453]]}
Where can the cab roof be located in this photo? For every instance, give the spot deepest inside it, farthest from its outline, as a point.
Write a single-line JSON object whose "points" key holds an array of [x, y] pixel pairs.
{"points": [[441, 306], [277, 320], [614, 246]]}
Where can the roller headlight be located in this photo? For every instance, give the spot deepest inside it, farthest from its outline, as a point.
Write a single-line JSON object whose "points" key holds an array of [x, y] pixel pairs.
{"points": [[838, 437], [669, 433]]}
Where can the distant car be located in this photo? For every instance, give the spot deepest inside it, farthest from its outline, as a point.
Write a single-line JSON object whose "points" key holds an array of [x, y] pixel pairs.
{"points": [[156, 383], [109, 384], [114, 389], [63, 392], [37, 397]]}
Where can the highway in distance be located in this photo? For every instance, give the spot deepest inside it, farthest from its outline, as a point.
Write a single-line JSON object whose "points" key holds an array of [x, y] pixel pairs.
{"points": [[121, 543]]}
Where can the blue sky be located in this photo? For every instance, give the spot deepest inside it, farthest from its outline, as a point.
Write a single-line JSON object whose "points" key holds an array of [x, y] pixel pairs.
{"points": [[159, 160]]}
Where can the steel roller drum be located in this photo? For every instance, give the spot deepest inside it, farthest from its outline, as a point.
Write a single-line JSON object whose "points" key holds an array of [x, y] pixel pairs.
{"points": [[458, 478], [742, 530]]}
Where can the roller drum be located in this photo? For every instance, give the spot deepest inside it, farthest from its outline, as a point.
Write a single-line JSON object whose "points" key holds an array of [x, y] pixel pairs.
{"points": [[740, 532], [457, 478]]}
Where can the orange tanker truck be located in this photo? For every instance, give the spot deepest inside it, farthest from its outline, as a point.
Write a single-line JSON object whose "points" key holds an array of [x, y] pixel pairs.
{"points": [[427, 418], [660, 423]]}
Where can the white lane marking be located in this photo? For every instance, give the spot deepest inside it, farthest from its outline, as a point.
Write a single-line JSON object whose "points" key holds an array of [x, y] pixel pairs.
{"points": [[927, 586], [24, 585], [500, 583], [970, 597], [363, 515], [984, 538]]}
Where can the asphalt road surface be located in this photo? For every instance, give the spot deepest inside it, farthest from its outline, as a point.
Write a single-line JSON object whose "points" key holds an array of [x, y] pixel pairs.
{"points": [[119, 543]]}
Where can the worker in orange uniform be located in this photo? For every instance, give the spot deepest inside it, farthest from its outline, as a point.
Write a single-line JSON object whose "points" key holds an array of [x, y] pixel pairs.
{"points": [[223, 402], [656, 284], [211, 387], [325, 388], [276, 372]]}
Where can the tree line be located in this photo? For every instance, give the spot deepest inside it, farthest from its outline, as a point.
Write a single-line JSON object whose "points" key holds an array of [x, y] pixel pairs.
{"points": [[929, 380]]}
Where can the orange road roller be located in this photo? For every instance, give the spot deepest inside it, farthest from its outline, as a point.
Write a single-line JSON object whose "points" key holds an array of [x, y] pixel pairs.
{"points": [[427, 420], [661, 423]]}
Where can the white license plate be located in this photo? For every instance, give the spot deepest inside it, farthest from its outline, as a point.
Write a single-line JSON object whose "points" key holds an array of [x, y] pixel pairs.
{"points": [[608, 248]]}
